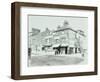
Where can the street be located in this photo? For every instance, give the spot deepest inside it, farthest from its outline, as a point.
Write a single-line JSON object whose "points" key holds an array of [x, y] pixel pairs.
{"points": [[52, 60]]}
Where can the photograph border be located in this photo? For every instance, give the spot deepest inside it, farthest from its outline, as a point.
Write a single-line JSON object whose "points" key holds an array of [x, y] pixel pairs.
{"points": [[15, 40]]}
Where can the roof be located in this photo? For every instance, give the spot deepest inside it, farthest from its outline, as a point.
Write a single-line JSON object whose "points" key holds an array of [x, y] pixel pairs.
{"points": [[69, 29], [65, 29]]}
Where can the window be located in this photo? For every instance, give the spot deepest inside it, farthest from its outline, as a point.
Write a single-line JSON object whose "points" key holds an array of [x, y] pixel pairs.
{"points": [[63, 39], [57, 41]]}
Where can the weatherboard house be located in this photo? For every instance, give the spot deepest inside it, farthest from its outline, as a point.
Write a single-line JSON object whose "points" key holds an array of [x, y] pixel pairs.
{"points": [[63, 40]]}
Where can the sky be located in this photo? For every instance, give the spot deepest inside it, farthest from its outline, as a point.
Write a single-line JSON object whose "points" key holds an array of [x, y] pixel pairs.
{"points": [[41, 22]]}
